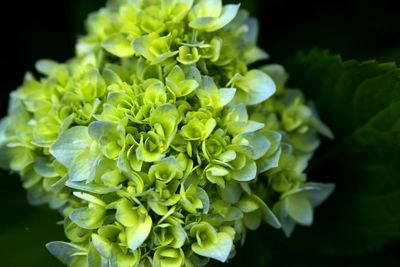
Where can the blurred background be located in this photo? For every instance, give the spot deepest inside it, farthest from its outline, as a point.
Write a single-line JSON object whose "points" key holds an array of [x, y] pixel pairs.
{"points": [[356, 29]]}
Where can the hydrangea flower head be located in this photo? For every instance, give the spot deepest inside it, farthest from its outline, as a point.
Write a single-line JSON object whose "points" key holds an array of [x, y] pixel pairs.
{"points": [[157, 143]]}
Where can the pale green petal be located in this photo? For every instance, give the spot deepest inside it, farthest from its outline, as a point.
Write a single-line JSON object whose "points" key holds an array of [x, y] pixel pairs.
{"points": [[258, 143], [179, 235], [46, 66], [70, 144], [226, 95], [84, 166], [118, 45], [110, 137], [247, 173], [64, 251], [248, 204], [165, 119], [300, 209], [90, 217], [278, 74], [203, 196], [269, 162], [125, 214], [217, 170], [188, 55], [317, 193], [178, 84], [138, 233], [257, 85], [242, 127], [271, 158], [168, 257], [227, 156], [44, 168], [94, 258], [281, 211], [204, 8], [231, 193], [89, 198], [252, 220], [176, 9], [267, 214], [102, 245], [194, 198], [211, 24], [92, 188], [142, 45], [121, 259], [219, 250]]}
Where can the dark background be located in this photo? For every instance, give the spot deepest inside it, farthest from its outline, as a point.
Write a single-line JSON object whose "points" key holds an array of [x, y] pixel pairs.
{"points": [[355, 29]]}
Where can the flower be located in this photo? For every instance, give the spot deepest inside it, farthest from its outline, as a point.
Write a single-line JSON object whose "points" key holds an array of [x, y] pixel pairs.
{"points": [[157, 143]]}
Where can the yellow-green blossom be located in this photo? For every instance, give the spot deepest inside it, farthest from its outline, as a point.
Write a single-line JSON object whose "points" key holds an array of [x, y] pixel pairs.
{"points": [[157, 143]]}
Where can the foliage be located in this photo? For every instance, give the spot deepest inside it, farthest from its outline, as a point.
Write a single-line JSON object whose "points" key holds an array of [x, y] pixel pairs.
{"points": [[361, 102]]}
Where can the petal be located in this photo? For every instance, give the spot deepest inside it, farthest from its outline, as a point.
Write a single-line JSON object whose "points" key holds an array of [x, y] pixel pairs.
{"points": [[211, 24], [64, 251], [138, 233], [219, 251], [248, 173], [91, 217], [206, 8], [281, 211], [179, 235], [258, 143], [118, 45], [266, 213], [231, 193], [94, 258], [300, 209], [89, 198], [317, 193], [70, 144], [258, 86], [110, 137], [203, 196], [168, 257], [125, 214], [268, 162], [102, 245], [120, 259], [226, 95], [217, 170], [142, 45], [252, 220], [84, 166], [92, 188]]}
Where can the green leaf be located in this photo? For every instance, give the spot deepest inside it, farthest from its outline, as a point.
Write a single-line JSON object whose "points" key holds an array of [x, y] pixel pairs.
{"points": [[361, 104]]}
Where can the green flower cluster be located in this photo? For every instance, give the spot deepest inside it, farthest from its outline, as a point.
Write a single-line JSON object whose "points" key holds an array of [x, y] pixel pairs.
{"points": [[156, 142]]}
